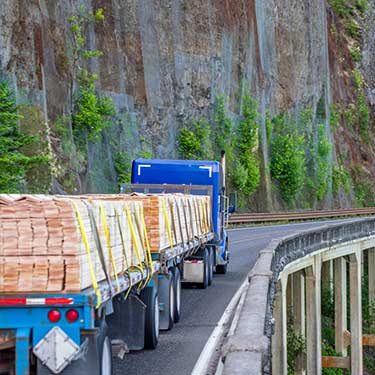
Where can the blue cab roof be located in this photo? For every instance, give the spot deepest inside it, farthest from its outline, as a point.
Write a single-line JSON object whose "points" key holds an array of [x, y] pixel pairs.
{"points": [[186, 172]]}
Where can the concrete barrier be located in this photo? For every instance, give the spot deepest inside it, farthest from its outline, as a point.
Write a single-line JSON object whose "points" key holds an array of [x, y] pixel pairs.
{"points": [[248, 350]]}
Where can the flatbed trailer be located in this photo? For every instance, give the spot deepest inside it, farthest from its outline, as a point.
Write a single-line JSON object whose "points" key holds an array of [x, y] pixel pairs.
{"points": [[72, 334]]}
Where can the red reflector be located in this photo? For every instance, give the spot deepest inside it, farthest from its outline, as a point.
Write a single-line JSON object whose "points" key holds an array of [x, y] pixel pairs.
{"points": [[72, 316], [54, 316]]}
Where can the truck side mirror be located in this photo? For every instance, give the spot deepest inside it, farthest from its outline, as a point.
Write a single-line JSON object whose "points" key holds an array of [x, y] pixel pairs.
{"points": [[232, 202]]}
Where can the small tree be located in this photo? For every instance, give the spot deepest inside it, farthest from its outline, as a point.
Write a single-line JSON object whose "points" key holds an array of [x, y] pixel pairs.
{"points": [[287, 158], [223, 128], [247, 141], [14, 163], [91, 112], [194, 141]]}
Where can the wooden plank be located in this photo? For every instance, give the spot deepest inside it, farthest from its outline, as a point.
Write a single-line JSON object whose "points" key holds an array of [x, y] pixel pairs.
{"points": [[336, 362]]}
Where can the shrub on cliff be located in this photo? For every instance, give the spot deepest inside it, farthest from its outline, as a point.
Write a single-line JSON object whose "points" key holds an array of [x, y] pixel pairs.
{"points": [[194, 141], [247, 147], [287, 158], [14, 163]]}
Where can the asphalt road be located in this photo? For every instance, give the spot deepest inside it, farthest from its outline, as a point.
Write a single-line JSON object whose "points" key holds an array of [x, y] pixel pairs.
{"points": [[179, 349]]}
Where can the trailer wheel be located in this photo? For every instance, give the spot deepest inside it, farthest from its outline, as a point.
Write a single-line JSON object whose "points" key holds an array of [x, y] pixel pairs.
{"points": [[104, 350], [177, 291], [206, 269], [172, 299], [106, 357], [211, 267], [149, 297]]}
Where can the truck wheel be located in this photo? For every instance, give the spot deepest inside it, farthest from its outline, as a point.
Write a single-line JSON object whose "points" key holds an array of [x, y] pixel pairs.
{"points": [[206, 270], [221, 269], [149, 297], [104, 350], [211, 267], [106, 357], [172, 299], [177, 291]]}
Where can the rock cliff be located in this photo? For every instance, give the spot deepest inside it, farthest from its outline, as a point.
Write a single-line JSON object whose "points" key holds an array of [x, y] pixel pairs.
{"points": [[164, 62]]}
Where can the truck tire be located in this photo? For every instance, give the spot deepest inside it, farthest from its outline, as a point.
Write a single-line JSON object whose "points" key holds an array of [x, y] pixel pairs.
{"points": [[206, 270], [222, 268], [106, 357], [172, 299], [104, 350], [177, 291], [211, 267], [149, 297]]}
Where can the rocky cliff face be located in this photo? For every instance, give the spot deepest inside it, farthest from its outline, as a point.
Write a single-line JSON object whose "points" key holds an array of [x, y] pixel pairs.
{"points": [[165, 61]]}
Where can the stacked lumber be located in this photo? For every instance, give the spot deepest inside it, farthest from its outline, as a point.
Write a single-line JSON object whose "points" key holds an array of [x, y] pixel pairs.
{"points": [[42, 247], [186, 217], [42, 238]]}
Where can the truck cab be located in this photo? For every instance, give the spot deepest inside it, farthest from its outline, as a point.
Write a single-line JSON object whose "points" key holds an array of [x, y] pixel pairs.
{"points": [[180, 174]]}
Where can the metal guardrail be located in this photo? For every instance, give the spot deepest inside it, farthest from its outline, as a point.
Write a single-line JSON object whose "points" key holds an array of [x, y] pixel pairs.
{"points": [[251, 343], [264, 217]]}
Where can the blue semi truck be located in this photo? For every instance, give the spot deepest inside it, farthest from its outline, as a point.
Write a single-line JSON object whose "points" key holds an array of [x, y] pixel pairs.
{"points": [[71, 334]]}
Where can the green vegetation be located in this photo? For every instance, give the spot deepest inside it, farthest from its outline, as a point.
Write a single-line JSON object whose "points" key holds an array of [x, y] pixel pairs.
{"points": [[222, 128], [248, 165], [341, 178], [296, 347], [91, 112], [353, 29], [363, 111], [123, 167], [335, 116], [345, 8], [287, 158], [15, 161], [322, 164], [355, 53], [194, 141], [341, 7]]}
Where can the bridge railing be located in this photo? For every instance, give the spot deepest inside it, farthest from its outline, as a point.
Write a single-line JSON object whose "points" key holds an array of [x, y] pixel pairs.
{"points": [[258, 343]]}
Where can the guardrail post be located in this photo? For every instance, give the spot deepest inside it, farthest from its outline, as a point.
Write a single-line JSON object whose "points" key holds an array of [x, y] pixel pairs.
{"points": [[284, 312], [299, 322], [355, 273], [340, 305], [279, 340], [313, 317]]}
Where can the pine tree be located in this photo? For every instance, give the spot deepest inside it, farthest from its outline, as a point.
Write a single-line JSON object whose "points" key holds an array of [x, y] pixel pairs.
{"points": [[13, 162]]}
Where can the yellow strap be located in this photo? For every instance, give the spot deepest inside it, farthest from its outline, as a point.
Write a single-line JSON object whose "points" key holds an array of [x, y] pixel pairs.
{"points": [[204, 217], [86, 243], [134, 237], [108, 237], [127, 271], [147, 243], [167, 223]]}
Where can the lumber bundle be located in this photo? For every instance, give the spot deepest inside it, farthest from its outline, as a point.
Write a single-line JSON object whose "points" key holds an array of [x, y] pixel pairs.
{"points": [[42, 248], [184, 217], [42, 238]]}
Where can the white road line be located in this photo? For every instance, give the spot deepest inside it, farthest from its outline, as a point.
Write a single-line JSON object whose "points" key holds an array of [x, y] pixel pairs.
{"points": [[203, 363]]}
